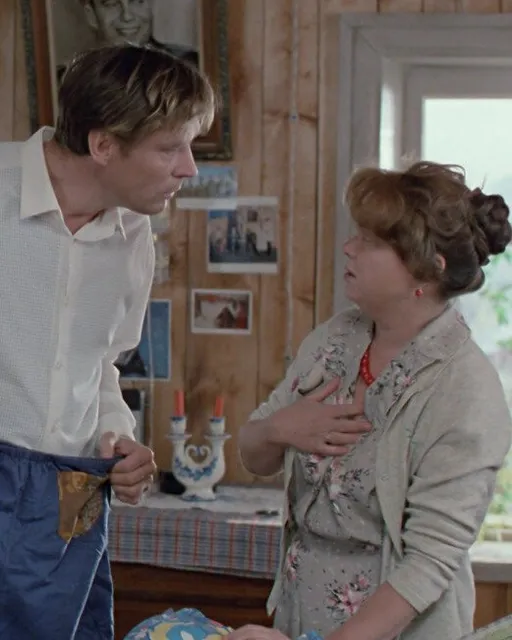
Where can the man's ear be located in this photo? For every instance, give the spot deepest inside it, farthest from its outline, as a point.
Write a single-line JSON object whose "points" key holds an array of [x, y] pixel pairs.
{"points": [[102, 146]]}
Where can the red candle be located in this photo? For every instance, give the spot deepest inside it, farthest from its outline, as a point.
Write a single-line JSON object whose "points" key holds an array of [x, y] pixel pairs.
{"points": [[179, 403], [218, 411]]}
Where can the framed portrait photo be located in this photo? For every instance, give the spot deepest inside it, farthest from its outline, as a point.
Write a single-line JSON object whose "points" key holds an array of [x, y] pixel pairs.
{"points": [[195, 30]]}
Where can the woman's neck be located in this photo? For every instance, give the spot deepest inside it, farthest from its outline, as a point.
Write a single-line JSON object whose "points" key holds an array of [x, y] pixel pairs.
{"points": [[393, 330]]}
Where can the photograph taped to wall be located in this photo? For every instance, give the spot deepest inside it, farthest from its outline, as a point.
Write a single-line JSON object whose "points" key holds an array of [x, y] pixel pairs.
{"points": [[244, 240], [150, 360], [195, 30], [222, 311], [212, 181]]}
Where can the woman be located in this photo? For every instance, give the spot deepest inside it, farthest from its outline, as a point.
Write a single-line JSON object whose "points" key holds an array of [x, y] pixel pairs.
{"points": [[391, 424]]}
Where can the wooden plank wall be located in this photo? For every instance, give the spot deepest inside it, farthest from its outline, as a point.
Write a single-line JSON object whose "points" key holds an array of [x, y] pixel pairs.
{"points": [[248, 367], [14, 113]]}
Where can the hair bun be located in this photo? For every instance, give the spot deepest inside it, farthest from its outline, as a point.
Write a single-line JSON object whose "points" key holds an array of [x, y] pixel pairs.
{"points": [[491, 229]]}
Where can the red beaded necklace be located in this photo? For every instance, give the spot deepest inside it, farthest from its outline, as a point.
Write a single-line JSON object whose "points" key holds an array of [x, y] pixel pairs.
{"points": [[364, 368]]}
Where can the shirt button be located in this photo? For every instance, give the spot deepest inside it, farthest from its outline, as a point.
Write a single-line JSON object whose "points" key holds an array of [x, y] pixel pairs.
{"points": [[58, 365], [55, 426]]}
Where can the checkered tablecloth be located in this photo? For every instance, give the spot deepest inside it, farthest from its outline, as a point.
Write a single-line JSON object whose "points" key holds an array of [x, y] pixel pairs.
{"points": [[227, 536]]}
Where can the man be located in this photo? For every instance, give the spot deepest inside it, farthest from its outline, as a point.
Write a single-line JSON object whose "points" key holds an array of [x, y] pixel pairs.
{"points": [[76, 266]]}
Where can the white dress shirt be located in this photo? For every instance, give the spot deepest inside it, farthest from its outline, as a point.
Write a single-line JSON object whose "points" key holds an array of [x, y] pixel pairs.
{"points": [[69, 305]]}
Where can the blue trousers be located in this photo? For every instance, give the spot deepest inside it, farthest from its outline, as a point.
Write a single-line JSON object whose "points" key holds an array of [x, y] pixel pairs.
{"points": [[55, 581]]}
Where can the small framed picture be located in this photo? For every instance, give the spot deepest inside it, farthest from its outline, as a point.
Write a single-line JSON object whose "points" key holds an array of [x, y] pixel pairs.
{"points": [[222, 311], [245, 239], [211, 181], [151, 359]]}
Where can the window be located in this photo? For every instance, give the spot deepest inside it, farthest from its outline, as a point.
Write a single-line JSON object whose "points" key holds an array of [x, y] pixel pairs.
{"points": [[437, 86], [455, 118]]}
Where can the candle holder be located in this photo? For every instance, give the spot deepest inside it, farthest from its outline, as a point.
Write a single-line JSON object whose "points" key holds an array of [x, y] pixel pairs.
{"points": [[217, 426], [198, 467]]}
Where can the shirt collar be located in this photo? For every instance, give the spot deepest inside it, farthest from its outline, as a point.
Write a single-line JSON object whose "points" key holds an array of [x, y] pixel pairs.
{"points": [[38, 196], [103, 226], [438, 340]]}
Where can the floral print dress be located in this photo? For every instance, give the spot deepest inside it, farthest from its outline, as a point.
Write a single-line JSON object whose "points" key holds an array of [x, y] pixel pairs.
{"points": [[334, 532], [333, 562]]}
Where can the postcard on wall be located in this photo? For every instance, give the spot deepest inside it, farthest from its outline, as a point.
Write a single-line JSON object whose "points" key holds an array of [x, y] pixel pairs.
{"points": [[213, 182], [223, 311], [151, 359], [244, 240]]}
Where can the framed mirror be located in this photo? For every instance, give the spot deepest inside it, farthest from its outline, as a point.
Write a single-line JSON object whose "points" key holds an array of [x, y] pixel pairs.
{"points": [[196, 30]]}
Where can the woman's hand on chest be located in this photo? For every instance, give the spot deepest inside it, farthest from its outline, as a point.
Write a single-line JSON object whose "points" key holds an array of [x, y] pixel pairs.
{"points": [[311, 426]]}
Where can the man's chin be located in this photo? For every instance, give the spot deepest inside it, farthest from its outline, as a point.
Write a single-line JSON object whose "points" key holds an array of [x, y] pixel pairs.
{"points": [[153, 210]]}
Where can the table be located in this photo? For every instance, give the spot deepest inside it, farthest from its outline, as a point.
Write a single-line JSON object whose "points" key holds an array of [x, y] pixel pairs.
{"points": [[219, 557]]}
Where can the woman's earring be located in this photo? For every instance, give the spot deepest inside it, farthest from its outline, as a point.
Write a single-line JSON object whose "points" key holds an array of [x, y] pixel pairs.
{"points": [[418, 292]]}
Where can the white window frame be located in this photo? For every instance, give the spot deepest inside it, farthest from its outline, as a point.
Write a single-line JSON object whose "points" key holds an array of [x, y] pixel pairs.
{"points": [[448, 82], [374, 47]]}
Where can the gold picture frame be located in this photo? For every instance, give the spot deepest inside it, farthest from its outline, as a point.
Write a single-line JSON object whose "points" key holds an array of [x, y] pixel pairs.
{"points": [[42, 67]]}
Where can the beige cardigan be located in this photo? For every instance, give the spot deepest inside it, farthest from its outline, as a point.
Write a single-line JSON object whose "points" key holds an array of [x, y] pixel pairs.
{"points": [[446, 431]]}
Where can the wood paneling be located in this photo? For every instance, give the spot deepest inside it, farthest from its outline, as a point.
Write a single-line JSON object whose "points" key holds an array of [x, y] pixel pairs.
{"points": [[337, 6], [493, 601], [275, 179], [480, 6], [7, 67], [261, 32], [21, 116], [400, 6], [440, 6]]}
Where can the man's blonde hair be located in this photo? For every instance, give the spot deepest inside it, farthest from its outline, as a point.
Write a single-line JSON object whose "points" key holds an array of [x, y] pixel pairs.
{"points": [[130, 91]]}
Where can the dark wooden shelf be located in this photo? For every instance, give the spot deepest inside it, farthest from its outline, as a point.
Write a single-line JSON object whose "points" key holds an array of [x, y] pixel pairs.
{"points": [[142, 591]]}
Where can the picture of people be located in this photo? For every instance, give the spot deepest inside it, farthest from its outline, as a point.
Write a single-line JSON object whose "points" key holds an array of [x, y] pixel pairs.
{"points": [[212, 181], [77, 25], [244, 240], [227, 311]]}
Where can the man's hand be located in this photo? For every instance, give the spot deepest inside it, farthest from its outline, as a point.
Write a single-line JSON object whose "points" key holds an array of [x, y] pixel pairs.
{"points": [[133, 475]]}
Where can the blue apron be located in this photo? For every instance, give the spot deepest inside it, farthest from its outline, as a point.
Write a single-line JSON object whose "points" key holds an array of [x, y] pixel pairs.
{"points": [[55, 581]]}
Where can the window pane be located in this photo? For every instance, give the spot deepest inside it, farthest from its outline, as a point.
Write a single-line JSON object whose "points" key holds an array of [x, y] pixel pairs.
{"points": [[477, 134], [387, 129]]}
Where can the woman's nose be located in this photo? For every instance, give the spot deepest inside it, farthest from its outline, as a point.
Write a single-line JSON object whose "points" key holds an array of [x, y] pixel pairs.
{"points": [[348, 248]]}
